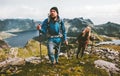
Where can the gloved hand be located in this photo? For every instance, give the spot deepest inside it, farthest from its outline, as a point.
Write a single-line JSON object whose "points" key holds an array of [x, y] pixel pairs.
{"points": [[66, 42], [38, 27]]}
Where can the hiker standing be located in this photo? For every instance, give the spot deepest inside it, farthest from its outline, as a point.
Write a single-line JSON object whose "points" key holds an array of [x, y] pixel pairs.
{"points": [[53, 27], [83, 40]]}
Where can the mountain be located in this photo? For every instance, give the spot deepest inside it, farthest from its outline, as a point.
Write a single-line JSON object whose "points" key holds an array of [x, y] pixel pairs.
{"points": [[16, 25], [109, 29], [74, 26]]}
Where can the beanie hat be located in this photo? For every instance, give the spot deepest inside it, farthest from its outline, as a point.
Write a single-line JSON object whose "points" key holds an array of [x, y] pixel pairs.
{"points": [[55, 8]]}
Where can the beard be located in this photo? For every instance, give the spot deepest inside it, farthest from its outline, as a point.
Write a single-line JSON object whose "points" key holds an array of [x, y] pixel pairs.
{"points": [[54, 18]]}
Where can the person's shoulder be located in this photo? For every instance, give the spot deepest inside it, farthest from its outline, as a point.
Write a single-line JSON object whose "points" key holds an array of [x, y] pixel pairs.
{"points": [[61, 21], [45, 19]]}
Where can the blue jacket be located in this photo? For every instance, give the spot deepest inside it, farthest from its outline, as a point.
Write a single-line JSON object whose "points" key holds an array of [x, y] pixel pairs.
{"points": [[54, 28]]}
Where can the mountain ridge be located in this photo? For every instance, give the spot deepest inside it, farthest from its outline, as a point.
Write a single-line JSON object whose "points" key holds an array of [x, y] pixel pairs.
{"points": [[17, 24], [73, 26]]}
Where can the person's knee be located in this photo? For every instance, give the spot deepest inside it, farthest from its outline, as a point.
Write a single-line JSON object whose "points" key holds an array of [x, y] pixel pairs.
{"points": [[50, 49], [51, 52]]}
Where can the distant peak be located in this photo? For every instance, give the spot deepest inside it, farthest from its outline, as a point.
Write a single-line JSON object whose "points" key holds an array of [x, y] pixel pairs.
{"points": [[109, 22]]}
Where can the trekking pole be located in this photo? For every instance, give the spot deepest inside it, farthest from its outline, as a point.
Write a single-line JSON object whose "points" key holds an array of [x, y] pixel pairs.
{"points": [[40, 44], [40, 34], [91, 47], [67, 51], [92, 43]]}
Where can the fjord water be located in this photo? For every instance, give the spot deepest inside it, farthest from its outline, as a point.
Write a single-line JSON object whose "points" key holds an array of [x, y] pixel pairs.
{"points": [[21, 39]]}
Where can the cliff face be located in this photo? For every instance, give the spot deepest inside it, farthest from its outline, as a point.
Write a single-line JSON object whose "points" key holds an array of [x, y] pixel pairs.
{"points": [[74, 26]]}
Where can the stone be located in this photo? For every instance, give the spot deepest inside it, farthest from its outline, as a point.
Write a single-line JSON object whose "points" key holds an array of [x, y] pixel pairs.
{"points": [[108, 66], [33, 60], [12, 61]]}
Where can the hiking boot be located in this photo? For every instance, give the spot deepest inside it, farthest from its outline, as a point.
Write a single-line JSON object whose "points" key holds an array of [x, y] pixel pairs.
{"points": [[52, 64], [57, 63], [76, 56], [81, 56]]}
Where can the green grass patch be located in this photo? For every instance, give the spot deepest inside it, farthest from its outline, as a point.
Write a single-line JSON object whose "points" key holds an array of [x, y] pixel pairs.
{"points": [[32, 49], [66, 67]]}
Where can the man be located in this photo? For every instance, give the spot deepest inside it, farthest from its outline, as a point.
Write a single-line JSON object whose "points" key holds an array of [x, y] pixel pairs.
{"points": [[83, 40], [53, 27]]}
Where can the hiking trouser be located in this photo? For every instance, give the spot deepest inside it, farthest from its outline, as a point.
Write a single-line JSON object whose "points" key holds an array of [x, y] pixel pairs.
{"points": [[53, 51], [81, 48]]}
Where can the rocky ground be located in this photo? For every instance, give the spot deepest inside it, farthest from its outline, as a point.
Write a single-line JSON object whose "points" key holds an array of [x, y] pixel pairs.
{"points": [[98, 61]]}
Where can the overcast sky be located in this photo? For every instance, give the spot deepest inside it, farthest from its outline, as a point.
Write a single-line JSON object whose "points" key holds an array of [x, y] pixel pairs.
{"points": [[99, 11]]}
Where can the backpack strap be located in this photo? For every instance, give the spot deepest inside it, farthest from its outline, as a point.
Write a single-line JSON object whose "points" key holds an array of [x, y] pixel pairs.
{"points": [[60, 26], [59, 21]]}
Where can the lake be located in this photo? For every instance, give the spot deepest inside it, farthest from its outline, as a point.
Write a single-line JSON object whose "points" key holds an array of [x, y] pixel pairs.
{"points": [[21, 39], [116, 42]]}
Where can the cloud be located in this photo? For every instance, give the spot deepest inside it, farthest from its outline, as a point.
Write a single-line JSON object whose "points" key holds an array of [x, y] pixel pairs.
{"points": [[98, 11], [99, 14], [21, 12]]}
